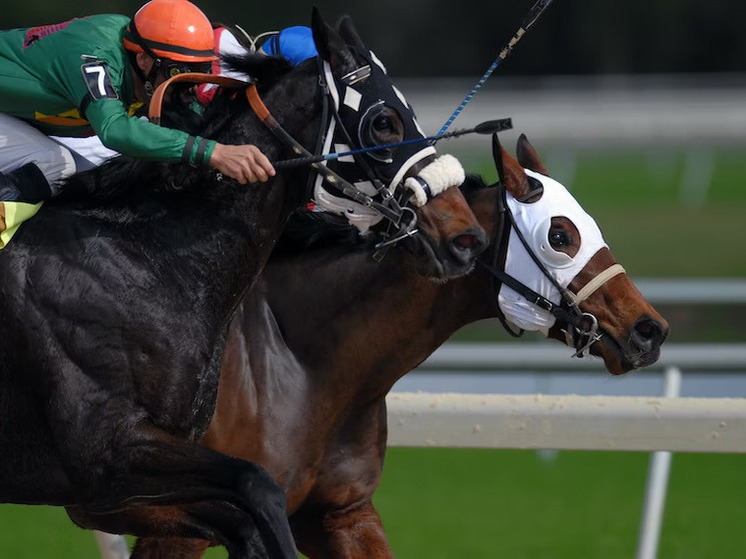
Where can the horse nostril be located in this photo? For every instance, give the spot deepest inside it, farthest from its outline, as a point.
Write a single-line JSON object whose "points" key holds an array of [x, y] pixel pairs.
{"points": [[466, 246], [648, 334]]}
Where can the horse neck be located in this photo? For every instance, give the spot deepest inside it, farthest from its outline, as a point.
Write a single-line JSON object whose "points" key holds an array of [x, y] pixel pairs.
{"points": [[362, 325], [263, 209], [296, 104]]}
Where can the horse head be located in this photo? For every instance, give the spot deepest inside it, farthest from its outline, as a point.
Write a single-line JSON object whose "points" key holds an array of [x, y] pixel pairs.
{"points": [[557, 275], [342, 101], [409, 178]]}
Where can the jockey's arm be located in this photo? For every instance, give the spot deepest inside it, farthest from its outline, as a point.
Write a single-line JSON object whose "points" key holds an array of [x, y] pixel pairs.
{"points": [[139, 138]]}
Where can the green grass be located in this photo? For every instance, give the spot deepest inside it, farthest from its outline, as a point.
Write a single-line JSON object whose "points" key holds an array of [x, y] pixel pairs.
{"points": [[482, 504], [651, 226], [659, 242], [454, 504], [41, 533]]}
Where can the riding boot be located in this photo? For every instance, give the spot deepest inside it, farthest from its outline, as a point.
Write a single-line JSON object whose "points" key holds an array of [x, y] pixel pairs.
{"points": [[26, 184]]}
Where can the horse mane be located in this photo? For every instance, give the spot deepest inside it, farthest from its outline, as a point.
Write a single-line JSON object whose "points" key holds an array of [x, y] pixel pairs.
{"points": [[266, 70], [473, 183], [309, 230]]}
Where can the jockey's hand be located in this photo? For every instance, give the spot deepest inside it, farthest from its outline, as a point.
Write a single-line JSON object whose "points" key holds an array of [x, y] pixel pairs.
{"points": [[243, 163]]}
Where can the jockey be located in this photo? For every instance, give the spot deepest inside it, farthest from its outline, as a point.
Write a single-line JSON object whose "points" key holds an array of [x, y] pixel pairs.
{"points": [[91, 76], [294, 43]]}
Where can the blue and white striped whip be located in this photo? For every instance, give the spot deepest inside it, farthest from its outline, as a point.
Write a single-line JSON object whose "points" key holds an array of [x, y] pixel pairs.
{"points": [[533, 14]]}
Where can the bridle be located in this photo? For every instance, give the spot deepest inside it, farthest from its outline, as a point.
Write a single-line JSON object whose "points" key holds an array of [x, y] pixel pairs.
{"points": [[402, 219], [581, 328]]}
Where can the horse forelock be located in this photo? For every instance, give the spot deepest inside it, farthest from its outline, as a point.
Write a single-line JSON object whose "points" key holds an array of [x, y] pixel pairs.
{"points": [[282, 87], [473, 183]]}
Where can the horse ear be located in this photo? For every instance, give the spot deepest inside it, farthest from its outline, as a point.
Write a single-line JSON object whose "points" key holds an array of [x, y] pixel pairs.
{"points": [[330, 45], [527, 156], [348, 32], [510, 172]]}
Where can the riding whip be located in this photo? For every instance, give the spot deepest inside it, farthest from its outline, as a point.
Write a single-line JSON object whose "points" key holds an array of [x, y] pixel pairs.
{"points": [[487, 127], [533, 15]]}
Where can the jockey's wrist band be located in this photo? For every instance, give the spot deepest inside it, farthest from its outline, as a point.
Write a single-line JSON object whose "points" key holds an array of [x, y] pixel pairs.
{"points": [[198, 150], [186, 155], [201, 149]]}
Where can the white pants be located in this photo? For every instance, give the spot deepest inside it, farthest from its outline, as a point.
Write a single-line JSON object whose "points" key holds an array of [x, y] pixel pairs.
{"points": [[90, 148], [56, 157]]}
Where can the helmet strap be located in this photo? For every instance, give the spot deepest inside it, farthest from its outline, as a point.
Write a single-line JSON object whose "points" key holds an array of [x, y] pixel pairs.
{"points": [[148, 80]]}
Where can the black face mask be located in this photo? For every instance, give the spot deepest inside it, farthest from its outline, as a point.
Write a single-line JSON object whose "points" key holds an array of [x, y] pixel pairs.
{"points": [[364, 99]]}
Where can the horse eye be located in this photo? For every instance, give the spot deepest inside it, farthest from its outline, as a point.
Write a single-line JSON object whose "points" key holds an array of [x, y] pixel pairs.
{"points": [[383, 124], [559, 238]]}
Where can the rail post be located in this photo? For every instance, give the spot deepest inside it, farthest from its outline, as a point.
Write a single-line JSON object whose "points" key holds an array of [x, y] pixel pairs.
{"points": [[657, 484]]}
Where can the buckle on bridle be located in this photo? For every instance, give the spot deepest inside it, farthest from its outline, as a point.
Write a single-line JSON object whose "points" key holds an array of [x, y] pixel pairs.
{"points": [[407, 230], [584, 338], [358, 75]]}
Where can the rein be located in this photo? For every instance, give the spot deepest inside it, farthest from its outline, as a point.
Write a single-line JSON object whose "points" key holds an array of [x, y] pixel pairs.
{"points": [[156, 101], [582, 330], [394, 215]]}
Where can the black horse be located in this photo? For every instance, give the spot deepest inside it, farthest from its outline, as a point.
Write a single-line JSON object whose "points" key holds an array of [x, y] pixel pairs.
{"points": [[114, 313]]}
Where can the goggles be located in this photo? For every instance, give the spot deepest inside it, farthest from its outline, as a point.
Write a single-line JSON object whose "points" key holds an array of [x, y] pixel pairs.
{"points": [[171, 68]]}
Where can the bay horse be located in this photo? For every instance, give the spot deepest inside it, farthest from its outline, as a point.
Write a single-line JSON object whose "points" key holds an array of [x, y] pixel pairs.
{"points": [[114, 310], [342, 330]]}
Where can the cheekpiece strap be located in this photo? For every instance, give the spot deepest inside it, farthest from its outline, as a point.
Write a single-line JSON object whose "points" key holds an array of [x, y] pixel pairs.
{"points": [[361, 74]]}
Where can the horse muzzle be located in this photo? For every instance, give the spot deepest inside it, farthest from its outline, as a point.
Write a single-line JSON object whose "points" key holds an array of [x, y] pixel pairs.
{"points": [[639, 348], [447, 243]]}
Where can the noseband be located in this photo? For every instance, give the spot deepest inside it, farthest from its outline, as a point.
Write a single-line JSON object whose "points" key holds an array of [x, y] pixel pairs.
{"points": [[581, 328]]}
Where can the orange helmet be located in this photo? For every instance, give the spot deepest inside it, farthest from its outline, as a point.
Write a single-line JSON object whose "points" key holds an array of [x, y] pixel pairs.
{"points": [[173, 29]]}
